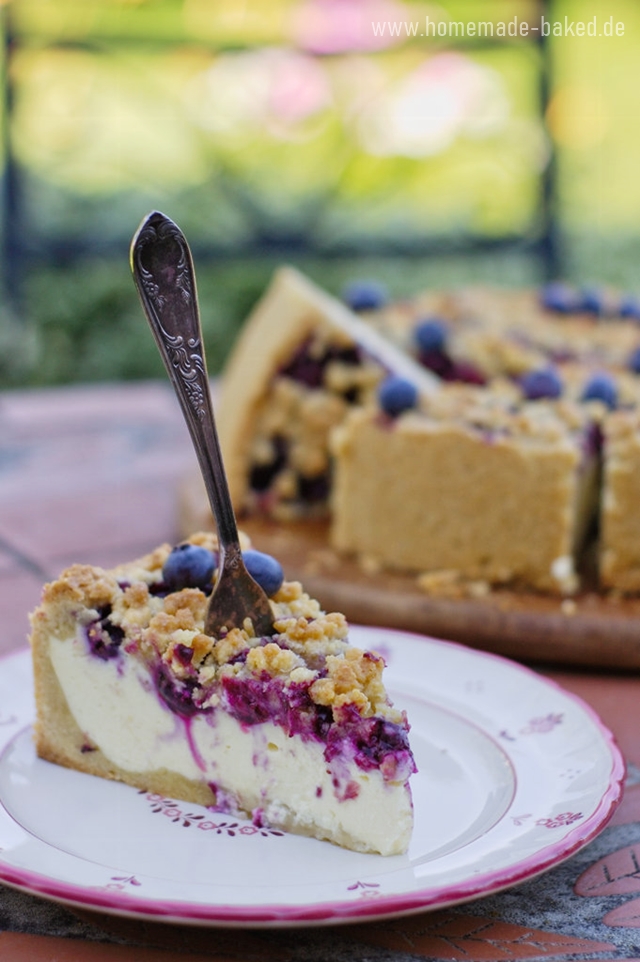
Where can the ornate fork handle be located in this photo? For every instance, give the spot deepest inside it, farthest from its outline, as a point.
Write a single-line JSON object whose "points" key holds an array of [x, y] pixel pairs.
{"points": [[163, 272]]}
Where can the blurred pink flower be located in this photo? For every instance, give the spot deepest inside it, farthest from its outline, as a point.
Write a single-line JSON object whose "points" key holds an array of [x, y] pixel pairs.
{"points": [[338, 26], [448, 95], [273, 87], [297, 87]]}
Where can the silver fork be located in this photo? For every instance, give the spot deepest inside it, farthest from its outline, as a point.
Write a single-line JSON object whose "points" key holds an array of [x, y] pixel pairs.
{"points": [[163, 272]]}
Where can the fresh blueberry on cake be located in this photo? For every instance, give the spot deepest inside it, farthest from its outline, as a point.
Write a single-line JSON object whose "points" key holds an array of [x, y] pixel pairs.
{"points": [[431, 334], [264, 569], [365, 295], [294, 730], [593, 301], [601, 386], [545, 383], [559, 297], [188, 566], [397, 394], [630, 307]]}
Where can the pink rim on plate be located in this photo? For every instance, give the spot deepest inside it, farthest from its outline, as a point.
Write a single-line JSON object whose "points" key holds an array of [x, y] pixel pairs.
{"points": [[533, 828]]}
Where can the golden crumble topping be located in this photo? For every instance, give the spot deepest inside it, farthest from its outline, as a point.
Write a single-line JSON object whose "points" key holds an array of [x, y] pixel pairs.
{"points": [[188, 602], [500, 413], [309, 647], [271, 659], [93, 586]]}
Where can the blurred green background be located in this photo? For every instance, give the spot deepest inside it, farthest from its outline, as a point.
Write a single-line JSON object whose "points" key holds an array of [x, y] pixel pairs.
{"points": [[297, 131]]}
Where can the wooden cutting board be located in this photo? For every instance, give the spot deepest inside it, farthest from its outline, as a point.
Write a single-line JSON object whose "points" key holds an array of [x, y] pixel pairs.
{"points": [[590, 630]]}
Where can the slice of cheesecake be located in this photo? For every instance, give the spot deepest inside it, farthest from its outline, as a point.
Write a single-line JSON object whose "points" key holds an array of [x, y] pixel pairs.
{"points": [[294, 731]]}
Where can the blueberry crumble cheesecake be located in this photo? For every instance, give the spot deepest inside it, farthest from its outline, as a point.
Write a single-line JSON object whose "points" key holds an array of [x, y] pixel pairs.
{"points": [[485, 434], [294, 731]]}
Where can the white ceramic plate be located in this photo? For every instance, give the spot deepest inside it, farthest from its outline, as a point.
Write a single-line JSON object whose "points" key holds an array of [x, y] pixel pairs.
{"points": [[515, 775]]}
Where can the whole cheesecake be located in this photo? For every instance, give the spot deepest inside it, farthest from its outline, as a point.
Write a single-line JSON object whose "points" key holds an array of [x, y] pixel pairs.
{"points": [[294, 730], [482, 435]]}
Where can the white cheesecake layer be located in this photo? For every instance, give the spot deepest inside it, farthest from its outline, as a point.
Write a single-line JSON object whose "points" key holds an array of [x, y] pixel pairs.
{"points": [[259, 769]]}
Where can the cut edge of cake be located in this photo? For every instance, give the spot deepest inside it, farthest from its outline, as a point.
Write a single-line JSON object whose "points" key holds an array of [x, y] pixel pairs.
{"points": [[511, 510], [619, 514], [291, 309]]}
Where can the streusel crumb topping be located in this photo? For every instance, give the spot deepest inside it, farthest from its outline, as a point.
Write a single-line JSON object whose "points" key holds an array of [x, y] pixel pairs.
{"points": [[309, 647], [93, 586]]}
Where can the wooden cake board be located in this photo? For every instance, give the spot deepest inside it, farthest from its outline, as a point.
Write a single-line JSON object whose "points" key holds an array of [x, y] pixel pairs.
{"points": [[590, 629]]}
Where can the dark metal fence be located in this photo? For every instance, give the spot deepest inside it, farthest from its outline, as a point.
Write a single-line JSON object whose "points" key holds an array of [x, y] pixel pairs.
{"points": [[24, 248]]}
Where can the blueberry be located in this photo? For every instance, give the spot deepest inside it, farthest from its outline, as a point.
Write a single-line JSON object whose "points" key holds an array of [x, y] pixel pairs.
{"points": [[592, 301], [188, 566], [430, 334], [559, 297], [630, 307], [104, 637], [634, 361], [261, 476], [304, 368], [264, 569], [396, 395], [365, 295], [543, 383], [315, 488], [601, 387], [177, 693]]}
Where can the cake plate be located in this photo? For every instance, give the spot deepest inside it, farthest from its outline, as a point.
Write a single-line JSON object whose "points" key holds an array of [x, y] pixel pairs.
{"points": [[515, 775]]}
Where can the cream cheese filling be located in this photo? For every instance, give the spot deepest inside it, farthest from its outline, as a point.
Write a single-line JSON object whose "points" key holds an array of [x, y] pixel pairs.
{"points": [[259, 768]]}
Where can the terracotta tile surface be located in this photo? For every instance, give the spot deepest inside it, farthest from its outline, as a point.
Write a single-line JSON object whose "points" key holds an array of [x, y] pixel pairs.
{"points": [[90, 474], [19, 947], [139, 511], [445, 935], [628, 811], [616, 698], [240, 945], [86, 474]]}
